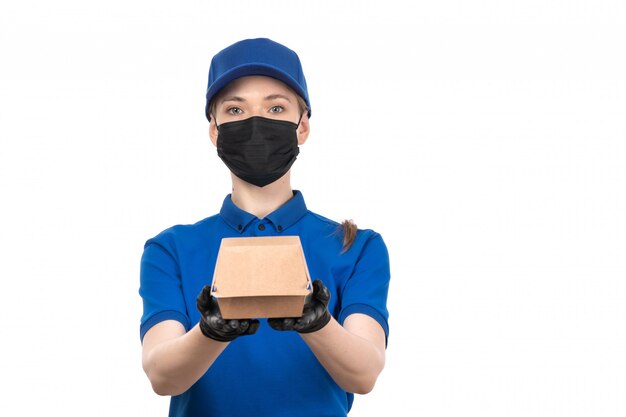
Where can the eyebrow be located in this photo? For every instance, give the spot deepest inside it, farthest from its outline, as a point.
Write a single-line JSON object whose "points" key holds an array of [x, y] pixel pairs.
{"points": [[275, 96], [267, 98], [232, 98]]}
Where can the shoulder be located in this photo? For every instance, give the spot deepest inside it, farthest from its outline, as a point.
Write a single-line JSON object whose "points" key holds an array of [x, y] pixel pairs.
{"points": [[335, 230], [183, 232], [368, 240], [322, 221]]}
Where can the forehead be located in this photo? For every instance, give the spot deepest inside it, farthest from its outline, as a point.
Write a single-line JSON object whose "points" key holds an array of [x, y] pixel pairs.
{"points": [[256, 84]]}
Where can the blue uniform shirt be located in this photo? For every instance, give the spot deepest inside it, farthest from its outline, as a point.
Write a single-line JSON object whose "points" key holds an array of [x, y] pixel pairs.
{"points": [[271, 373]]}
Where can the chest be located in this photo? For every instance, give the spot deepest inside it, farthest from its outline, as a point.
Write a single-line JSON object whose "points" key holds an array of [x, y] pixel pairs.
{"points": [[197, 265]]}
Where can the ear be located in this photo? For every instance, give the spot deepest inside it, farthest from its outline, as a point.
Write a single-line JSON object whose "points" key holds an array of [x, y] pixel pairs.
{"points": [[303, 129], [213, 131]]}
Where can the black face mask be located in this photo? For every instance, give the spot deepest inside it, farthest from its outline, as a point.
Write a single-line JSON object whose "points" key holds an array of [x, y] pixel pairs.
{"points": [[258, 150]]}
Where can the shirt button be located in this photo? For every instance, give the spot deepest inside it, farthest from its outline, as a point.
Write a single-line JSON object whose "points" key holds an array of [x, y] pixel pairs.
{"points": [[239, 227], [261, 226], [280, 228]]}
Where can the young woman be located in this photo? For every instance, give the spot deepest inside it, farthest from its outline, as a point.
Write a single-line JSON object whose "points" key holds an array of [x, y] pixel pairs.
{"points": [[258, 110]]}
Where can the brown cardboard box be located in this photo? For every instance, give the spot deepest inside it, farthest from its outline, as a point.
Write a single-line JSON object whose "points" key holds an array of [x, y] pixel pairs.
{"points": [[261, 277]]}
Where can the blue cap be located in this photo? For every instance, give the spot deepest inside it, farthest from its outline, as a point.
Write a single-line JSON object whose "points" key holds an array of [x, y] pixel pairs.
{"points": [[260, 56]]}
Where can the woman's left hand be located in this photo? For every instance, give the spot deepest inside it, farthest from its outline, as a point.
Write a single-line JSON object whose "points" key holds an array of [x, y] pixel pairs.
{"points": [[315, 314]]}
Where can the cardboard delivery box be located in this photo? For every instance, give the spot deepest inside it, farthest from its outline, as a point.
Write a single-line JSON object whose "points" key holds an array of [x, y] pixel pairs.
{"points": [[261, 277]]}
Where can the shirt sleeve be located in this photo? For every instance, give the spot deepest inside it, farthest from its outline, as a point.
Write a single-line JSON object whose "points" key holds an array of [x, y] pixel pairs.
{"points": [[366, 289], [160, 286]]}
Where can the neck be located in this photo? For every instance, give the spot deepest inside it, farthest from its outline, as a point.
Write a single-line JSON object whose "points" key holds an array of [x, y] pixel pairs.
{"points": [[261, 201]]}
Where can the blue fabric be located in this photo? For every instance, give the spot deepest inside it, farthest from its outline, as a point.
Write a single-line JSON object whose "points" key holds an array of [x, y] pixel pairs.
{"points": [[259, 56], [270, 373]]}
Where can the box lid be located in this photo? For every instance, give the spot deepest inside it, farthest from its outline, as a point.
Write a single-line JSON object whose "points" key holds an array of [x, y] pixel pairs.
{"points": [[260, 266]]}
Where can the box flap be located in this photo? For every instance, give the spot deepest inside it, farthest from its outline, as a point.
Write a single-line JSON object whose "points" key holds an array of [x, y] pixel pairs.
{"points": [[260, 266]]}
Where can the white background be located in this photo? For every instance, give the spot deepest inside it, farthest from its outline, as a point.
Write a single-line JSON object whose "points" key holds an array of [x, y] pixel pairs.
{"points": [[485, 140]]}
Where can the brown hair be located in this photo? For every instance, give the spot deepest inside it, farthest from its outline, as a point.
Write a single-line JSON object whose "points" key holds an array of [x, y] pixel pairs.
{"points": [[349, 233]]}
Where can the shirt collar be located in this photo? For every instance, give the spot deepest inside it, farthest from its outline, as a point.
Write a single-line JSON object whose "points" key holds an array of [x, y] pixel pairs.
{"points": [[282, 218]]}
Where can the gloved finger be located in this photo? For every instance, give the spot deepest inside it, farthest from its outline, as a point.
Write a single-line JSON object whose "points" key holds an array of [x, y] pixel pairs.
{"points": [[252, 327], [303, 321], [275, 323], [319, 311], [216, 321], [243, 326], [214, 307], [202, 301], [282, 323], [320, 291]]}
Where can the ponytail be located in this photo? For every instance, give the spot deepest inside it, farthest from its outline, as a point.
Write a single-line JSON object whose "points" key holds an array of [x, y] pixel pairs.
{"points": [[349, 233]]}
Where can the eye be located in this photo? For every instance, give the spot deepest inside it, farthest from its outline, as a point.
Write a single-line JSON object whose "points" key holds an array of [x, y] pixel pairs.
{"points": [[234, 111], [277, 109]]}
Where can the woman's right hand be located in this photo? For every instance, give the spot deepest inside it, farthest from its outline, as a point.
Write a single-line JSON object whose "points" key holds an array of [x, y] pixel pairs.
{"points": [[214, 326]]}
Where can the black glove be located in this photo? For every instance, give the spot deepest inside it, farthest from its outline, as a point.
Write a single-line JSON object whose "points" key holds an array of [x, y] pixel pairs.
{"points": [[214, 326], [314, 316]]}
